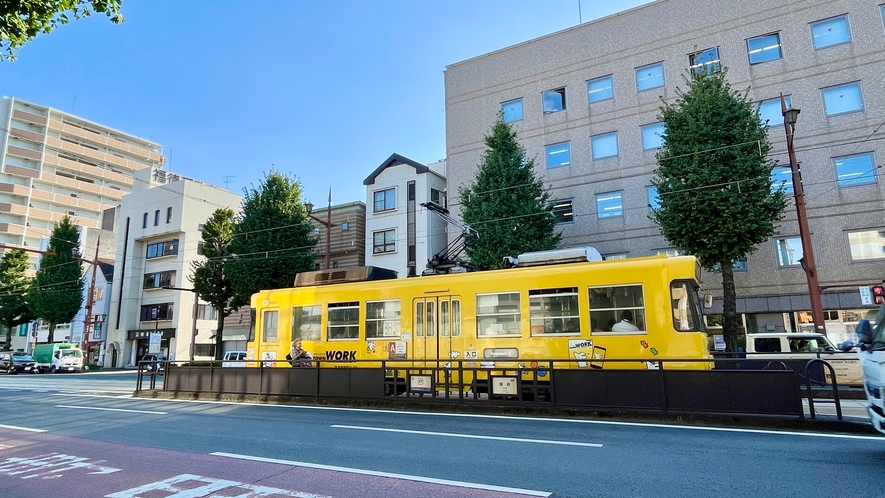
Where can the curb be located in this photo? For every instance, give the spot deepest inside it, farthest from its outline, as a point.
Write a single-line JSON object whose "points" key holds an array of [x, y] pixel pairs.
{"points": [[823, 423]]}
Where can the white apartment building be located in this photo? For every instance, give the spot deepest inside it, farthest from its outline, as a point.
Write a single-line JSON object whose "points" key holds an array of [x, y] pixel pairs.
{"points": [[159, 237], [53, 164], [401, 234]]}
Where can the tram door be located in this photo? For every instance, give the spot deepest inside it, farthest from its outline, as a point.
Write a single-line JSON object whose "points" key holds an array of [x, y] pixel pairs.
{"points": [[437, 323]]}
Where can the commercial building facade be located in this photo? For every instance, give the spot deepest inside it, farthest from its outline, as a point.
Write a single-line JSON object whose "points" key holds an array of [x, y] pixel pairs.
{"points": [[160, 236], [585, 103], [346, 237]]}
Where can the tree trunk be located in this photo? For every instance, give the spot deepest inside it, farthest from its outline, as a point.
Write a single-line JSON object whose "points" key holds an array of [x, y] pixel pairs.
{"points": [[730, 323], [219, 336], [7, 345], [51, 336]]}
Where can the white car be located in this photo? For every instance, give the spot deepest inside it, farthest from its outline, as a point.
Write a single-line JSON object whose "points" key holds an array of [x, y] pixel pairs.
{"points": [[234, 359]]}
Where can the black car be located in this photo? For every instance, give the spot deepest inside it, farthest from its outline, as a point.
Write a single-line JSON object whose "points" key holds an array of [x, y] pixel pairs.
{"points": [[13, 363]]}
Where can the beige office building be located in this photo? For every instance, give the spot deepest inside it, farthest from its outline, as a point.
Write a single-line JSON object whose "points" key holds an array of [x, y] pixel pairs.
{"points": [[585, 103], [56, 164]]}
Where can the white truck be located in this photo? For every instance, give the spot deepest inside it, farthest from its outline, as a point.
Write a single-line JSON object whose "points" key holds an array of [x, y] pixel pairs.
{"points": [[871, 345]]}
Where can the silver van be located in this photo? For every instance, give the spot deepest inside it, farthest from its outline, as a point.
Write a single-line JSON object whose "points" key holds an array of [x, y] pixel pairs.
{"points": [[234, 359]]}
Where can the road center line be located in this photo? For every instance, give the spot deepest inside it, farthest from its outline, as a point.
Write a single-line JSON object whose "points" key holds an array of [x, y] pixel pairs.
{"points": [[431, 480], [110, 409], [17, 428], [470, 436]]}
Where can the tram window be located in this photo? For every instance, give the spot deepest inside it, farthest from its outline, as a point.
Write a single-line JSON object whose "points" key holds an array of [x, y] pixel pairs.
{"points": [[456, 318], [251, 325], [685, 312], [344, 321], [306, 322], [431, 319], [419, 319], [554, 311], [270, 326], [383, 319], [497, 314], [444, 318], [618, 309]]}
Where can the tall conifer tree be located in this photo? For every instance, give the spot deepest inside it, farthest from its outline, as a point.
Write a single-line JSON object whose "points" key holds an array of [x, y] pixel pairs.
{"points": [[57, 293]]}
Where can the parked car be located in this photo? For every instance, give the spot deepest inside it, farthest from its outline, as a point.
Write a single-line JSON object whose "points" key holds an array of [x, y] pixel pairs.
{"points": [[13, 363], [234, 359]]}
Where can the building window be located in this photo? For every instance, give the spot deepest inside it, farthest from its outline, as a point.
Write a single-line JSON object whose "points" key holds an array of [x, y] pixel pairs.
{"points": [[168, 215], [866, 245], [789, 252], [512, 110], [600, 89], [855, 170], [159, 280], [830, 32], [706, 60], [383, 319], [204, 350], [160, 249], [619, 255], [385, 200], [842, 99], [200, 227], [270, 326], [670, 253], [162, 311], [770, 111], [602, 146], [384, 241], [206, 312], [144, 221], [558, 154], [554, 311], [344, 321], [782, 176], [562, 211], [306, 323], [157, 218], [497, 314], [654, 200], [345, 226], [618, 309], [438, 197], [200, 245], [764, 48], [648, 77], [554, 100], [652, 136], [609, 205]]}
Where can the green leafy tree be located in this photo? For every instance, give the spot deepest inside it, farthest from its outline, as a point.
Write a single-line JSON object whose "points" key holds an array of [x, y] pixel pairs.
{"points": [[714, 181], [209, 278], [14, 284], [22, 20], [506, 204], [56, 295], [273, 239]]}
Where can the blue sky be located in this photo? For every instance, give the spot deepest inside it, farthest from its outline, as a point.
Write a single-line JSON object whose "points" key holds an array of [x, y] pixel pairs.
{"points": [[325, 91]]}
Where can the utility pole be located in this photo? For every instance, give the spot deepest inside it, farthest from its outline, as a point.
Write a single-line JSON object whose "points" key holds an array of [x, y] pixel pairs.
{"points": [[90, 300], [328, 224], [807, 260]]}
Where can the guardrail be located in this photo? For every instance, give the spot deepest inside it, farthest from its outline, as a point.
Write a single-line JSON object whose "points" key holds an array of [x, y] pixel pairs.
{"points": [[662, 386]]}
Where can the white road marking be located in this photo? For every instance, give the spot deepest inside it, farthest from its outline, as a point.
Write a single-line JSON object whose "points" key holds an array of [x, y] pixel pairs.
{"points": [[431, 480], [51, 466], [533, 419], [470, 436], [114, 396], [17, 428], [110, 409], [209, 488]]}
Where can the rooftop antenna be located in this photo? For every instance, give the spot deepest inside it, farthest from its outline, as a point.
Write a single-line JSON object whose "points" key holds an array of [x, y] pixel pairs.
{"points": [[580, 16], [227, 179], [169, 163]]}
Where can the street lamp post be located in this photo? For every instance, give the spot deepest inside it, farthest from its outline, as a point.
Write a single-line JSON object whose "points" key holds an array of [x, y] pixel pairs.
{"points": [[194, 327], [807, 261], [328, 224]]}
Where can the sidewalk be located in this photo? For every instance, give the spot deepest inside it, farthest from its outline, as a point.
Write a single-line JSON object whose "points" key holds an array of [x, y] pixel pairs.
{"points": [[853, 410]]}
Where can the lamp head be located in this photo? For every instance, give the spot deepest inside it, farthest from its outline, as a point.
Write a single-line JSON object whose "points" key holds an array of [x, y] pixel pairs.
{"points": [[791, 115], [309, 206]]}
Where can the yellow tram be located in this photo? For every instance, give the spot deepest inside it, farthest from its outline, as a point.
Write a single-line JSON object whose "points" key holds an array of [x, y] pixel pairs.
{"points": [[585, 313]]}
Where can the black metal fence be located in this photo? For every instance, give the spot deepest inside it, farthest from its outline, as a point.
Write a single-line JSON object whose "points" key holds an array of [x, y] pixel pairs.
{"points": [[555, 384]]}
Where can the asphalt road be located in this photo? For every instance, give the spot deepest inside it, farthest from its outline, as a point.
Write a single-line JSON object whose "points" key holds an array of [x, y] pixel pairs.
{"points": [[113, 445]]}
